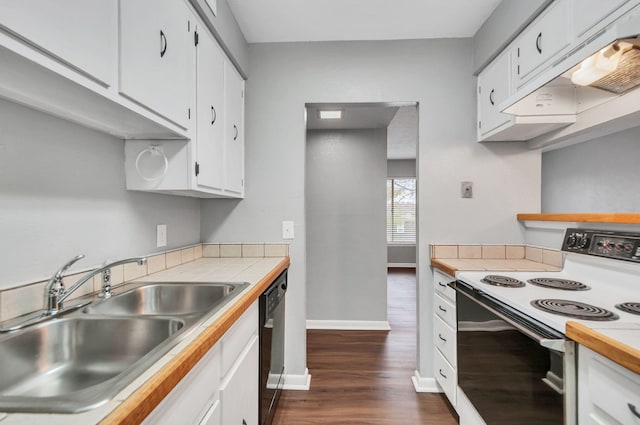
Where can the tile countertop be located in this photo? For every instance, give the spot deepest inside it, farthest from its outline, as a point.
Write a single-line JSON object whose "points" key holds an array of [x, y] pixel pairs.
{"points": [[451, 266], [138, 399]]}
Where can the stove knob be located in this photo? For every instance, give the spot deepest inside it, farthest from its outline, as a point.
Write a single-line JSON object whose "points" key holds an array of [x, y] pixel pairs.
{"points": [[628, 247], [619, 247], [583, 242], [571, 240]]}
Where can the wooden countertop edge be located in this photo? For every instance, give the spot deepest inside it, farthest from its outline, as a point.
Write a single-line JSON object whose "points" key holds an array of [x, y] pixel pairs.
{"points": [[443, 267], [142, 402], [620, 218], [610, 348]]}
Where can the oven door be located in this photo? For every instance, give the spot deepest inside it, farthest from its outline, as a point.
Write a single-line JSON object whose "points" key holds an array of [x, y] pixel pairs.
{"points": [[513, 369]]}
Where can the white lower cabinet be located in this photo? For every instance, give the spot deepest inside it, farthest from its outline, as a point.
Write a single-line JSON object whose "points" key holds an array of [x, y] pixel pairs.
{"points": [[608, 393], [444, 335], [222, 388]]}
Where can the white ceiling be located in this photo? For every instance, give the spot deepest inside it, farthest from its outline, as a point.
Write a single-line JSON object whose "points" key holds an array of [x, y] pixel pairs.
{"points": [[264, 21], [400, 120]]}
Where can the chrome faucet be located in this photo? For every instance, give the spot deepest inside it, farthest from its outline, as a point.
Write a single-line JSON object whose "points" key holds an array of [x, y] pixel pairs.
{"points": [[56, 293]]}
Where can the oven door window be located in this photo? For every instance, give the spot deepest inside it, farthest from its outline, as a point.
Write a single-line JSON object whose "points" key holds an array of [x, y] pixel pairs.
{"points": [[508, 377]]}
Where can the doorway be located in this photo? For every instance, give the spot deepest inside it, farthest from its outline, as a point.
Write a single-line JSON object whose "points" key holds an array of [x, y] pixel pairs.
{"points": [[349, 157]]}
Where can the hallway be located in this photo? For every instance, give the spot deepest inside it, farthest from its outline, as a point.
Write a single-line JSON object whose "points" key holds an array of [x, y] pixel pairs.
{"points": [[364, 377]]}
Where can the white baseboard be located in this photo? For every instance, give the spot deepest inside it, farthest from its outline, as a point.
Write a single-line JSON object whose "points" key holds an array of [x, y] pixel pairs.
{"points": [[403, 265], [297, 382], [425, 385], [354, 325]]}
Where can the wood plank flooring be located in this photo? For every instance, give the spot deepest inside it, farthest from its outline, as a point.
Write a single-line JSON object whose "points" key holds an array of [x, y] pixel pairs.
{"points": [[364, 377]]}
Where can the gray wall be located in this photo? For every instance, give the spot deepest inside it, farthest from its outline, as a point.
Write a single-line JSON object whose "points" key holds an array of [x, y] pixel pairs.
{"points": [[62, 193], [435, 73], [346, 239], [401, 254], [504, 24], [600, 175]]}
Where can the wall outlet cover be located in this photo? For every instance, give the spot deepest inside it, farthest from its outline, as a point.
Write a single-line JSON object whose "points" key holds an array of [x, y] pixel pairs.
{"points": [[161, 235], [466, 189], [287, 230]]}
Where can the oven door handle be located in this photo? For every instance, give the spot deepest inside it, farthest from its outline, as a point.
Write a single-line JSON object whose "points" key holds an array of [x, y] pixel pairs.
{"points": [[554, 344]]}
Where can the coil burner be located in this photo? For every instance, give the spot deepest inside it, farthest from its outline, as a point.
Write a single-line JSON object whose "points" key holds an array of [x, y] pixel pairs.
{"points": [[633, 308], [566, 284], [574, 309], [505, 281]]}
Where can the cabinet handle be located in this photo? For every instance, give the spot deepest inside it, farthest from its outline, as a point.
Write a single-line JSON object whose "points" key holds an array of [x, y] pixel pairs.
{"points": [[443, 339], [491, 96], [442, 309], [442, 374], [214, 115], [163, 44], [539, 43], [442, 284], [633, 410], [235, 129], [244, 422]]}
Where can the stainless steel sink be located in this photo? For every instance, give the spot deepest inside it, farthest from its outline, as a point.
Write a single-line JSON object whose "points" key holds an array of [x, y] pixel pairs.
{"points": [[173, 299], [81, 360], [71, 364]]}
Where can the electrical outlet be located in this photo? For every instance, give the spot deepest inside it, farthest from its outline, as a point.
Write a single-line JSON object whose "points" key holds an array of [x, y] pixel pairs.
{"points": [[161, 235], [466, 189], [287, 230]]}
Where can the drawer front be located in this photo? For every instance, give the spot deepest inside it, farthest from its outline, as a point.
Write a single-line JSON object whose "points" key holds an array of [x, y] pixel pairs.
{"points": [[440, 281], [188, 402], [236, 338], [444, 338], [445, 310], [446, 377], [612, 390]]}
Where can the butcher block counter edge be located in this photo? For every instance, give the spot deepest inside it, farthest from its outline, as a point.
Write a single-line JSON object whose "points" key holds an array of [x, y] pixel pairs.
{"points": [[136, 407], [620, 218], [612, 349]]}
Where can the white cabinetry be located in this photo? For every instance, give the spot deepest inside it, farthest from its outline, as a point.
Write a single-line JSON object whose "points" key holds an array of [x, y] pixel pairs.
{"points": [[540, 41], [223, 386], [157, 56], [609, 393], [80, 33], [494, 86], [234, 130], [444, 335], [588, 13]]}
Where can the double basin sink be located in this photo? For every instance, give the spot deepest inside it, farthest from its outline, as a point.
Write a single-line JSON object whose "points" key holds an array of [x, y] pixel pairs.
{"points": [[83, 359]]}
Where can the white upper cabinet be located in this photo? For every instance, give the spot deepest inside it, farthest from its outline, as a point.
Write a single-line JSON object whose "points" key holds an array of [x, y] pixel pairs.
{"points": [[494, 85], [80, 33], [234, 131], [540, 41], [211, 112], [588, 13], [157, 56]]}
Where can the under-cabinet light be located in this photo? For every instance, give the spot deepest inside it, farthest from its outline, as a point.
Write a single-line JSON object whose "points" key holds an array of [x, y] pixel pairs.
{"points": [[600, 64], [330, 114]]}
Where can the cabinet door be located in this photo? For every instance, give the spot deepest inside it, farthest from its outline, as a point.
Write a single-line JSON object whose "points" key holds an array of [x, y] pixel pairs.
{"points": [[545, 37], [81, 33], [493, 88], [234, 133], [587, 13], [239, 390], [210, 100], [157, 56]]}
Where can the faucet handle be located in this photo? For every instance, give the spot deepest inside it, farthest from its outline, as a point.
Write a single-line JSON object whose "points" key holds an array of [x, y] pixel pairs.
{"points": [[58, 275]]}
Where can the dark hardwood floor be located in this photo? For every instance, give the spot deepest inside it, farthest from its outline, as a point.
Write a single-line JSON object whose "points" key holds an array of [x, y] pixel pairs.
{"points": [[364, 377]]}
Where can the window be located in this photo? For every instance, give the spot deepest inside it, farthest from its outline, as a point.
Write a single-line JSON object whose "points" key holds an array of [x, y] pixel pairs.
{"points": [[401, 210]]}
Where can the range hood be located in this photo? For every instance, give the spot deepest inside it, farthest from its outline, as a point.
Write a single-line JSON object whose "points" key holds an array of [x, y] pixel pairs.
{"points": [[598, 82]]}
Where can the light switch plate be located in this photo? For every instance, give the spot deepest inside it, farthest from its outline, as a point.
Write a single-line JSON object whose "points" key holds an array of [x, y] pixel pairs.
{"points": [[466, 189], [287, 230], [161, 235]]}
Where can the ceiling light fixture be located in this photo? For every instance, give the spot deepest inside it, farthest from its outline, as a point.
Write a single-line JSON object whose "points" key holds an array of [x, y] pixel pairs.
{"points": [[334, 114]]}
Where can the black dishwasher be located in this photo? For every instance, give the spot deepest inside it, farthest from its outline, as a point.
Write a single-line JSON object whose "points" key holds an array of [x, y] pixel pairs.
{"points": [[272, 308]]}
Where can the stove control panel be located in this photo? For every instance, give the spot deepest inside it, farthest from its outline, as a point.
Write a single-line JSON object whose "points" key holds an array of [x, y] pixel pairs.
{"points": [[618, 245]]}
